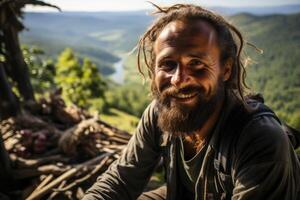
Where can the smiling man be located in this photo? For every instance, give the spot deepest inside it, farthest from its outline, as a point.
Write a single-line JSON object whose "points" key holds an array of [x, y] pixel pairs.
{"points": [[215, 142]]}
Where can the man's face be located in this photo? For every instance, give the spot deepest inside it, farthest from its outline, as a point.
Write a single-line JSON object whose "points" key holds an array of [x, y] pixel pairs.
{"points": [[188, 78]]}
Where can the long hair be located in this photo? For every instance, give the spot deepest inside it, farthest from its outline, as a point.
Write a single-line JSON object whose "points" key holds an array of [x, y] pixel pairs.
{"points": [[230, 41]]}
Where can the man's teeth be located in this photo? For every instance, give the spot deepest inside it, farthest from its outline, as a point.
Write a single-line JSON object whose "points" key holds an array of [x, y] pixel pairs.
{"points": [[184, 96]]}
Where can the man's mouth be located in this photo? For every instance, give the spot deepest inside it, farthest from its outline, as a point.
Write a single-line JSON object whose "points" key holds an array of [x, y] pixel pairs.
{"points": [[184, 97]]}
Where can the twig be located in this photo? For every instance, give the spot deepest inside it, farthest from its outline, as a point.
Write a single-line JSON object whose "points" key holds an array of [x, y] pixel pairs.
{"points": [[56, 193], [65, 176], [119, 140], [46, 169], [47, 188], [8, 134], [27, 163], [78, 181], [44, 182]]}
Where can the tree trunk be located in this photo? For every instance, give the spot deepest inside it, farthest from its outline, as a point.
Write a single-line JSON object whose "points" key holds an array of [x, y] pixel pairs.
{"points": [[9, 105], [5, 166], [19, 70]]}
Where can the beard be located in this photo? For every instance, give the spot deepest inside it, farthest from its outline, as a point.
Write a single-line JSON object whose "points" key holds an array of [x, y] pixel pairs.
{"points": [[178, 118]]}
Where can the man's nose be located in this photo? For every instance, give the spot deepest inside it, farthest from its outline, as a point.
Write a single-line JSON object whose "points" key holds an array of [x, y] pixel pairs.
{"points": [[179, 77]]}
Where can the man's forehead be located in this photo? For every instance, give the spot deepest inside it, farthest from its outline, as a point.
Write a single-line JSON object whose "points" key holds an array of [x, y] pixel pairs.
{"points": [[182, 32], [189, 27]]}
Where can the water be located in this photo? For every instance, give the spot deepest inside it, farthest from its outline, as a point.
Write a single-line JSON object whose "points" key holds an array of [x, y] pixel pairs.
{"points": [[118, 76]]}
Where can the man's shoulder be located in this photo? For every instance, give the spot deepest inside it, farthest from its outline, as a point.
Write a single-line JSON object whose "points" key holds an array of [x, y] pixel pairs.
{"points": [[254, 119], [265, 127], [257, 129], [265, 137], [150, 113], [148, 121]]}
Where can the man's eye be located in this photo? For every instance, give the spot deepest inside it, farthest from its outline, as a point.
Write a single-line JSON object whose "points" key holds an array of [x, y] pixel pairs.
{"points": [[169, 64], [195, 62]]}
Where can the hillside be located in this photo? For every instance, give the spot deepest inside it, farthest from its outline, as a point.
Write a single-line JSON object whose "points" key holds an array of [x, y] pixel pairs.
{"points": [[100, 35], [276, 72]]}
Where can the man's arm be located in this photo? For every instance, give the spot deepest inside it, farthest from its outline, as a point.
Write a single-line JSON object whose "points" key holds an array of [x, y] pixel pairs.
{"points": [[128, 175], [266, 166]]}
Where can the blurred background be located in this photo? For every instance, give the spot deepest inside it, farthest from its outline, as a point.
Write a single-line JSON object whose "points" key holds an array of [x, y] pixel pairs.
{"points": [[71, 94]]}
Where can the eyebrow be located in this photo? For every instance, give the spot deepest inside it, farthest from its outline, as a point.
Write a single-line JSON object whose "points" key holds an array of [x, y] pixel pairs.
{"points": [[159, 59], [198, 54], [166, 55]]}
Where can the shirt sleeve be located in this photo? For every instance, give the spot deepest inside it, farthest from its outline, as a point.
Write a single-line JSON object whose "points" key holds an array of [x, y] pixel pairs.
{"points": [[266, 166], [128, 175]]}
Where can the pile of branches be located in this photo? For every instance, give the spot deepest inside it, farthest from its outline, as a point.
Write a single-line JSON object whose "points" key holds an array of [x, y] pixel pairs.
{"points": [[57, 152]]}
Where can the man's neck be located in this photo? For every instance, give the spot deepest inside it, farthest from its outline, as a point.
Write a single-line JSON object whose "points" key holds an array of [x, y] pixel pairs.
{"points": [[195, 141]]}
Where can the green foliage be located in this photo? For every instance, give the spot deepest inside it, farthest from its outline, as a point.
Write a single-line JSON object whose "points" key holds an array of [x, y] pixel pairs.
{"points": [[41, 69], [81, 83], [276, 72]]}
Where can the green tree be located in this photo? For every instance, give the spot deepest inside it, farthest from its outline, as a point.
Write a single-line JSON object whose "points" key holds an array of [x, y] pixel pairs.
{"points": [[82, 84], [41, 69]]}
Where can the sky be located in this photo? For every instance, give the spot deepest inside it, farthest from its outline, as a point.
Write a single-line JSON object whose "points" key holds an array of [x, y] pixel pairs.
{"points": [[124, 5]]}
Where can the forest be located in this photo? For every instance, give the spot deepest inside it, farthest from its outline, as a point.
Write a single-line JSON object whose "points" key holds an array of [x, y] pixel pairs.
{"points": [[56, 88]]}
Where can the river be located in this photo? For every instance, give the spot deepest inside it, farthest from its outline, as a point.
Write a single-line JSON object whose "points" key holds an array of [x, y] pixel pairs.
{"points": [[118, 76]]}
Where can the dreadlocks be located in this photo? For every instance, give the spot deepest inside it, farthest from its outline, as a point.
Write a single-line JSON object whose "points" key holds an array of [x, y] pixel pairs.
{"points": [[227, 39]]}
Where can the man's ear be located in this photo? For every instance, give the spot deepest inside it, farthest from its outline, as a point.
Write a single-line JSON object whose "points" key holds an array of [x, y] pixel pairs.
{"points": [[227, 69]]}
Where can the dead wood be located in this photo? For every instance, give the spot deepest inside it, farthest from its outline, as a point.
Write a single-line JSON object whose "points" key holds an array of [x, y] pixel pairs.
{"points": [[19, 174], [65, 176], [62, 184], [71, 137], [60, 159], [80, 180], [30, 163]]}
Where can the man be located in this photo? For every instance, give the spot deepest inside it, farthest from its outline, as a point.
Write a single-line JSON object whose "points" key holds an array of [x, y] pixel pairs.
{"points": [[195, 65]]}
